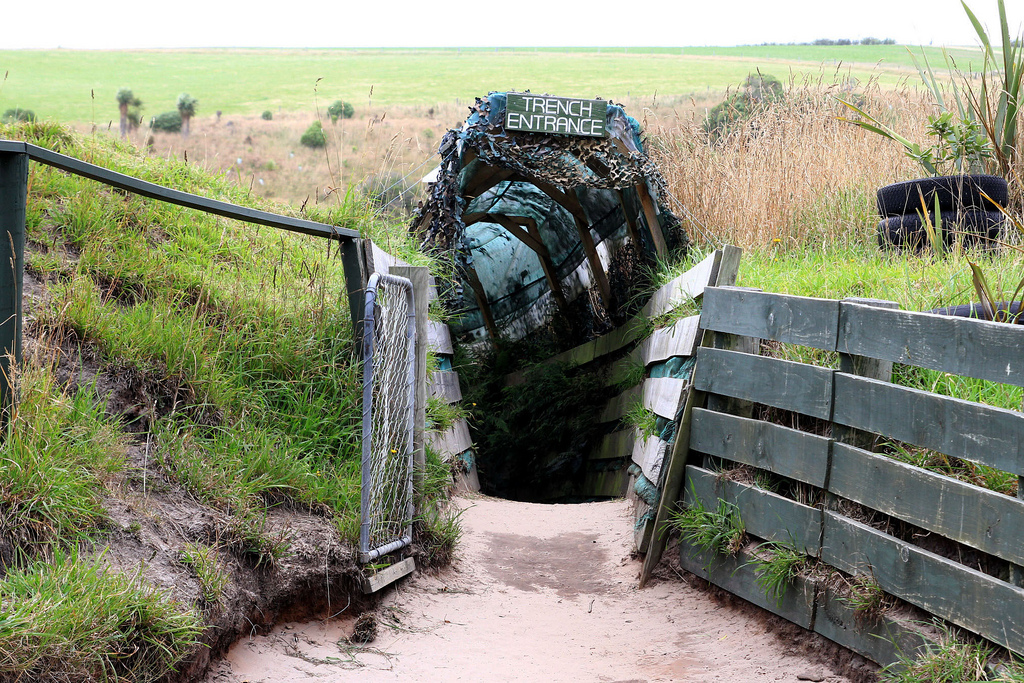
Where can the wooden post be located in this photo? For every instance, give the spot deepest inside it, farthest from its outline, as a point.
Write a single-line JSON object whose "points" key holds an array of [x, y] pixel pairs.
{"points": [[596, 267], [634, 231], [724, 272], [481, 301], [420, 278], [1016, 573], [651, 214], [862, 366], [532, 239], [355, 284], [13, 195]]}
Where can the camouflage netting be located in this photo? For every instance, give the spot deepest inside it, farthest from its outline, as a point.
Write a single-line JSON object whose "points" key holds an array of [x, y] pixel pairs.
{"points": [[605, 174]]}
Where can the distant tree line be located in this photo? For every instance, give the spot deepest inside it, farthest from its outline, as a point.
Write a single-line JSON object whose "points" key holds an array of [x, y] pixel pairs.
{"points": [[847, 41], [843, 41]]}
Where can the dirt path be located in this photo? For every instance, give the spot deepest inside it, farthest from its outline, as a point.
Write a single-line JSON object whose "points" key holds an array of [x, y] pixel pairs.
{"points": [[539, 593]]}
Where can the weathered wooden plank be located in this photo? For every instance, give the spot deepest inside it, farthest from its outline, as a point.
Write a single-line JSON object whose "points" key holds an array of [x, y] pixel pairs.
{"points": [[649, 454], [961, 346], [788, 452], [788, 319], [738, 576], [689, 285], [380, 261], [972, 431], [643, 525], [603, 345], [877, 637], [386, 577], [439, 339], [606, 484], [615, 445], [739, 344], [805, 389], [978, 602], [972, 515], [724, 271], [444, 385], [679, 339], [766, 515], [454, 441], [664, 395], [863, 366], [651, 216], [620, 405]]}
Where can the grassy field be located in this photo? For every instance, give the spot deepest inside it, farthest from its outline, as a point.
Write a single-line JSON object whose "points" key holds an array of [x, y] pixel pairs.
{"points": [[79, 86]]}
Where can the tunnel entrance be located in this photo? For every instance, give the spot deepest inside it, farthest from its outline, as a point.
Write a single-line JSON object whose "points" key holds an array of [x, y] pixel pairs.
{"points": [[551, 233]]}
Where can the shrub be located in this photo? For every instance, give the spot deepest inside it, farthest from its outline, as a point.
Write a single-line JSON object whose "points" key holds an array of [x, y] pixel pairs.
{"points": [[18, 114], [340, 109], [267, 115], [314, 136], [757, 93], [389, 191], [168, 122]]}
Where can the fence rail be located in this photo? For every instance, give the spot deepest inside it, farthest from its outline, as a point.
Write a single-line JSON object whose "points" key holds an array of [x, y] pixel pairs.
{"points": [[14, 172], [848, 483]]}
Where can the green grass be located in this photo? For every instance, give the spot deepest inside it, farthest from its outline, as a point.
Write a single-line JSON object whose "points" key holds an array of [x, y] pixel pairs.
{"points": [[73, 619], [717, 531], [233, 347], [776, 565], [202, 559], [58, 452], [71, 85]]}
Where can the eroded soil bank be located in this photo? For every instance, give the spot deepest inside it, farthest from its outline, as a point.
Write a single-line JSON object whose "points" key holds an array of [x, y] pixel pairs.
{"points": [[546, 593]]}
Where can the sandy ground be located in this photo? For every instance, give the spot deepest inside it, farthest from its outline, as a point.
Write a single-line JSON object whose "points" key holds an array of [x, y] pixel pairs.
{"points": [[539, 593]]}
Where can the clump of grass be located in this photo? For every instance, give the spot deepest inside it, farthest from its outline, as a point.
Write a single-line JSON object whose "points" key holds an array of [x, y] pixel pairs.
{"points": [[866, 597], [776, 565], [58, 452], [643, 420], [73, 619], [719, 531], [950, 659], [441, 415], [202, 559]]}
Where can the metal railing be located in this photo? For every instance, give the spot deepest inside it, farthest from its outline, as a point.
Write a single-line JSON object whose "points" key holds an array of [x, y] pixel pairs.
{"points": [[14, 172]]}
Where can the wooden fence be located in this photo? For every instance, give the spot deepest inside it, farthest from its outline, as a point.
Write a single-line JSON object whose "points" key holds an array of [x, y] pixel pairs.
{"points": [[944, 532], [622, 456]]}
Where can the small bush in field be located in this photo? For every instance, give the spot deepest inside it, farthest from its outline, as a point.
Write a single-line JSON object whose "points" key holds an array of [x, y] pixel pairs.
{"points": [[168, 122], [267, 115], [758, 92], [18, 114], [314, 136], [340, 110]]}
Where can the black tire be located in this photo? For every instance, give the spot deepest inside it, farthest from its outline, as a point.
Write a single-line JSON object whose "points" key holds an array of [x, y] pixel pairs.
{"points": [[955, 192], [971, 228]]}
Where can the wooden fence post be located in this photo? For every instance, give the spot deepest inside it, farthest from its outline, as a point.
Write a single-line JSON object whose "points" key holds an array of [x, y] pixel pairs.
{"points": [[356, 279], [862, 366], [420, 278], [13, 195], [724, 273]]}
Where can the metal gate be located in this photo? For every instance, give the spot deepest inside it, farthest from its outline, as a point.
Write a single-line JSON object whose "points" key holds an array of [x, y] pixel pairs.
{"points": [[389, 339]]}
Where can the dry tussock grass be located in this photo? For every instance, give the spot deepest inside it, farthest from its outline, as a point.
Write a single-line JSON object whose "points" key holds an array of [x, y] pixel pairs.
{"points": [[792, 173], [792, 176], [267, 156]]}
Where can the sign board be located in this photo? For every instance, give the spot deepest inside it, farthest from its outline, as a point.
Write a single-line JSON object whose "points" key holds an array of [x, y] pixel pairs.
{"points": [[564, 115]]}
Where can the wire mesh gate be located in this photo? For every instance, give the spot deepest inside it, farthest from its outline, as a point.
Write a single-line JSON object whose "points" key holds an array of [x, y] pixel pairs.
{"points": [[389, 376]]}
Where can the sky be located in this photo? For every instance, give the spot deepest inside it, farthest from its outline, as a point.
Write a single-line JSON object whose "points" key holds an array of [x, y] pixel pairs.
{"points": [[101, 24]]}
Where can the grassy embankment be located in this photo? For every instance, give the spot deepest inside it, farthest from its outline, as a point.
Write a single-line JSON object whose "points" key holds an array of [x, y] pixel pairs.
{"points": [[189, 410]]}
